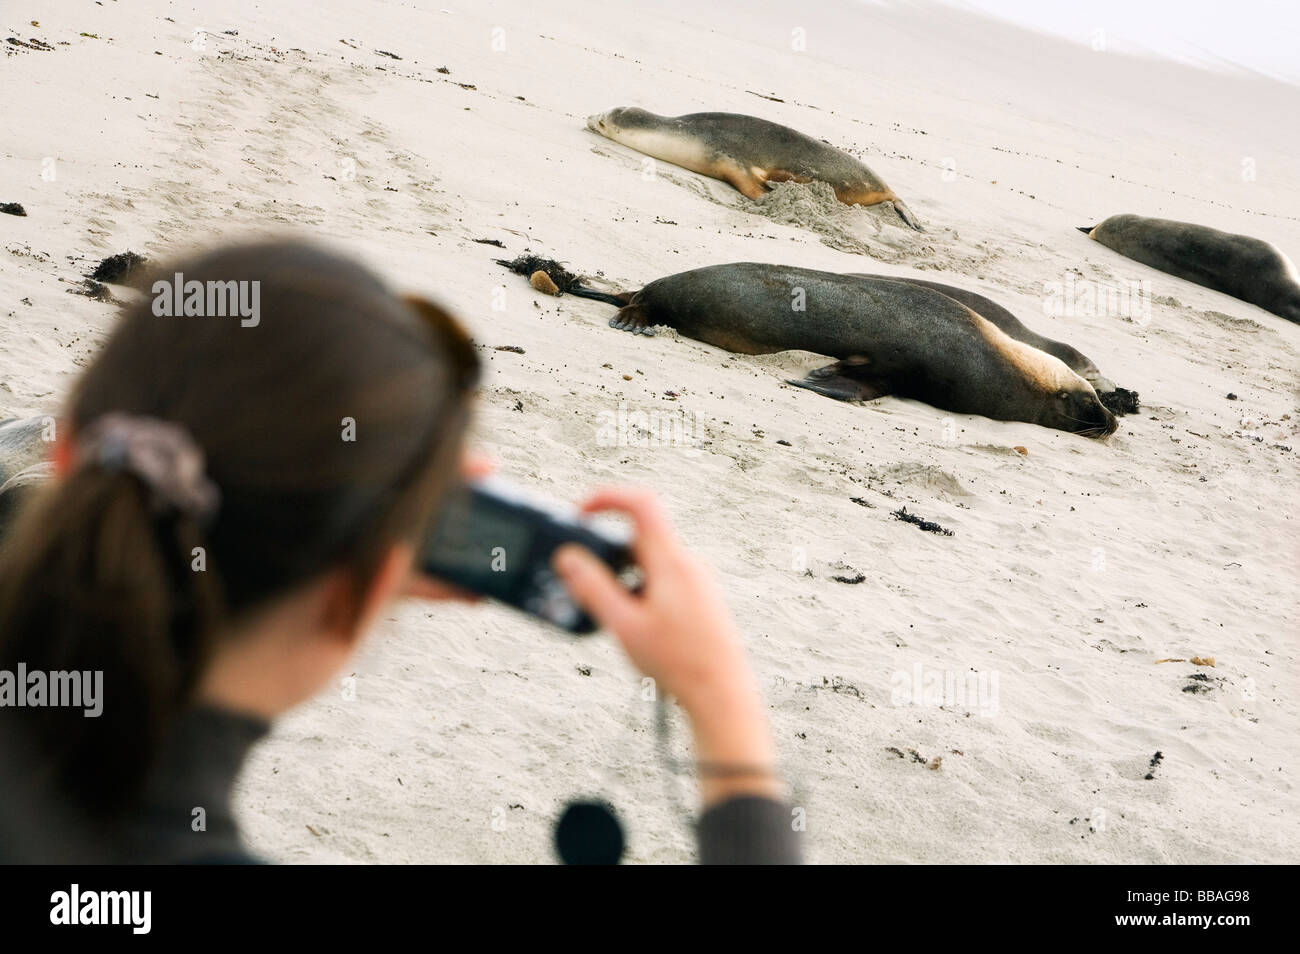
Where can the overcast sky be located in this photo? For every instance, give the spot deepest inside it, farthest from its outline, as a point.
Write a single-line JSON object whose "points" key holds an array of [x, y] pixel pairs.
{"points": [[1261, 35]]}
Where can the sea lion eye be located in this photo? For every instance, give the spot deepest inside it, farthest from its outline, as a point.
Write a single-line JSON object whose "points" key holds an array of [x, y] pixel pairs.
{"points": [[1063, 395]]}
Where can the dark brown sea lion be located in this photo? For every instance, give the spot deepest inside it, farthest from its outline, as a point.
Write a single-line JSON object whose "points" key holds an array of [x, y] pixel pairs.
{"points": [[1238, 265], [891, 337], [1074, 359]]}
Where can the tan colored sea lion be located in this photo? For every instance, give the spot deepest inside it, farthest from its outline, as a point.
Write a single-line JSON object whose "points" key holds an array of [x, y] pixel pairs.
{"points": [[1238, 265], [747, 152]]}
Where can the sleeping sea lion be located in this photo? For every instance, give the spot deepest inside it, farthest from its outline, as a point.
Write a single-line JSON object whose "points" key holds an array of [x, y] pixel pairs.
{"points": [[890, 338], [748, 152], [1238, 265]]}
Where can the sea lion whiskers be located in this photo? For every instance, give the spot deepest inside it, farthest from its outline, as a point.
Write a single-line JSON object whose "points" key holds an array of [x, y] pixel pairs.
{"points": [[1095, 430]]}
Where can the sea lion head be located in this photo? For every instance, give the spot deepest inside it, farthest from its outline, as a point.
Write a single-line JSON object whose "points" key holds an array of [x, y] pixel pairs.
{"points": [[1287, 300], [1074, 406], [1061, 398], [1081, 364], [620, 118], [1288, 305]]}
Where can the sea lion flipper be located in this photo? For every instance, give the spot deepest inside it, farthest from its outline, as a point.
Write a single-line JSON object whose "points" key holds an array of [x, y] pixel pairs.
{"points": [[632, 318], [906, 215], [745, 181], [848, 380], [772, 176]]}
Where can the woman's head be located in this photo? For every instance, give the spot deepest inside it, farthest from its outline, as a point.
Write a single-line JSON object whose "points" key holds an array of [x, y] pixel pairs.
{"points": [[327, 426]]}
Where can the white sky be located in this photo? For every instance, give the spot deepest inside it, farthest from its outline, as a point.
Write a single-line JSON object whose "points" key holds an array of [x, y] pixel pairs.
{"points": [[1260, 35]]}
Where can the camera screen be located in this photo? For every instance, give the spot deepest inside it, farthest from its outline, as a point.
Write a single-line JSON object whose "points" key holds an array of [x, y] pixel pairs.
{"points": [[481, 541]]}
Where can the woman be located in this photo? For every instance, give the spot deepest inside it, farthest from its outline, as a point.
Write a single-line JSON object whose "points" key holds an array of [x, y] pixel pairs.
{"points": [[238, 500]]}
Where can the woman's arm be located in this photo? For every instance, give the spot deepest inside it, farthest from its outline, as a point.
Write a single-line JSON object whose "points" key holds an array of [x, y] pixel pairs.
{"points": [[678, 631]]}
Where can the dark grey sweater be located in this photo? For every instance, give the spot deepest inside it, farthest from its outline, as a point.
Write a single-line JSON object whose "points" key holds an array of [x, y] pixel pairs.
{"points": [[186, 815]]}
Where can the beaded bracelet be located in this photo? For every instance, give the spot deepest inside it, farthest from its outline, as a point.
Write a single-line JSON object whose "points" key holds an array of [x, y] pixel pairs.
{"points": [[726, 770]]}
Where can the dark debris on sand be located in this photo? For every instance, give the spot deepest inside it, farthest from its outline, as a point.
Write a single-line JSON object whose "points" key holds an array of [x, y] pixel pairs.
{"points": [[927, 525], [12, 208], [1120, 401], [1153, 765], [525, 265], [94, 290], [120, 268], [32, 44], [1198, 682]]}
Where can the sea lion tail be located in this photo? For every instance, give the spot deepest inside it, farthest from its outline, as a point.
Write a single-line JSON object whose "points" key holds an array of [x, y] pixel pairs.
{"points": [[906, 215], [1085, 229], [581, 291]]}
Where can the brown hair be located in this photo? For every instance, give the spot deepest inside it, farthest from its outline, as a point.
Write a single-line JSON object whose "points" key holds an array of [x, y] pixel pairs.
{"points": [[94, 578]]}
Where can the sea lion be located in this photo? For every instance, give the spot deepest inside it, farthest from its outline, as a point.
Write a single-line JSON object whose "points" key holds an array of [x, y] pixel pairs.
{"points": [[1238, 265], [747, 152], [1074, 359], [891, 337], [24, 463], [22, 444]]}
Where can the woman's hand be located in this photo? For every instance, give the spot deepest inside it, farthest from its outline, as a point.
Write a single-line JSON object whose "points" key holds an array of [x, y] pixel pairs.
{"points": [[678, 631]]}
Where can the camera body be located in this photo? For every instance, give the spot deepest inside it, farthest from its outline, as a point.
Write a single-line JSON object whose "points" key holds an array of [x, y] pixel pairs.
{"points": [[494, 539]]}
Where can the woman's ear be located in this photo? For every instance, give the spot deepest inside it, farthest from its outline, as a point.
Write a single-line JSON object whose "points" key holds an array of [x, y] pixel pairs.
{"points": [[348, 616], [61, 453]]}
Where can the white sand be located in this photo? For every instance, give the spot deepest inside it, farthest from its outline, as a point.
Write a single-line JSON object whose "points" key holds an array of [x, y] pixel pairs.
{"points": [[1070, 571]]}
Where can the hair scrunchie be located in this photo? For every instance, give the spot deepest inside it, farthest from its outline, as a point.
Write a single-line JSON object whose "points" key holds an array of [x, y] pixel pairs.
{"points": [[161, 454]]}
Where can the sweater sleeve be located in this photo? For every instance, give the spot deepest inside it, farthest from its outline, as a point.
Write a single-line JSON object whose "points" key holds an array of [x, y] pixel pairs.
{"points": [[748, 830]]}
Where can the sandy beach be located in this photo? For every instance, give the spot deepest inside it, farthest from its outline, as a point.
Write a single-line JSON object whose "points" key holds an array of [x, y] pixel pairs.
{"points": [[1080, 577]]}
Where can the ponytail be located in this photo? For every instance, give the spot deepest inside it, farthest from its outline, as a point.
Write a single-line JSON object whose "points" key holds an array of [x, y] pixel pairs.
{"points": [[94, 580]]}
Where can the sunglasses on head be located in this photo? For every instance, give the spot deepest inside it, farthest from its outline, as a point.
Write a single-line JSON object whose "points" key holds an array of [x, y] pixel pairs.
{"points": [[452, 337]]}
